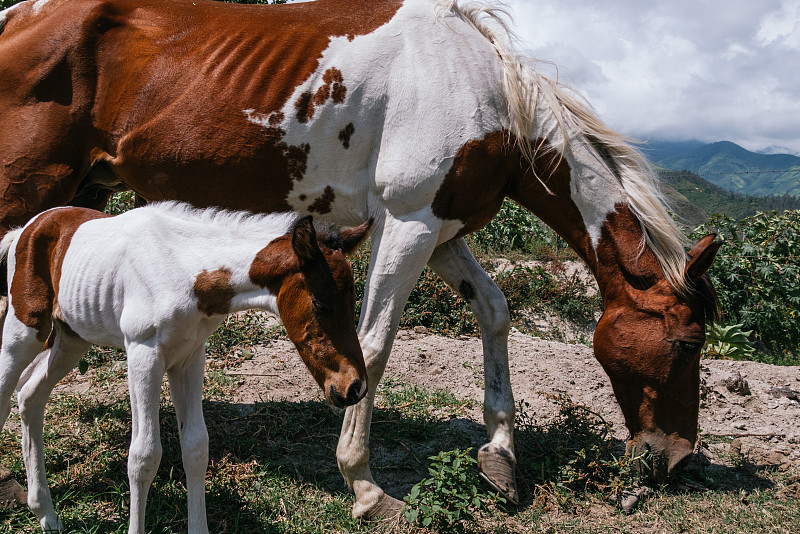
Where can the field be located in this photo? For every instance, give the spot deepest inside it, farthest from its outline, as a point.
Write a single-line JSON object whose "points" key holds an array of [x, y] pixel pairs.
{"points": [[273, 441]]}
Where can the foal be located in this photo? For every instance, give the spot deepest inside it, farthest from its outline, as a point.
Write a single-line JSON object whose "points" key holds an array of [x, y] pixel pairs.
{"points": [[158, 281]]}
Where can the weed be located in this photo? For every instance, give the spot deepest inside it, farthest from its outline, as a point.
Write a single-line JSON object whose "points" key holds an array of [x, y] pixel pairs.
{"points": [[573, 453], [449, 498]]}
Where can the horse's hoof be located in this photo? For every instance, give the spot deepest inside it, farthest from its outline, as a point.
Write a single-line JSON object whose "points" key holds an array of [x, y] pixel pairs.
{"points": [[387, 507], [11, 493], [498, 470]]}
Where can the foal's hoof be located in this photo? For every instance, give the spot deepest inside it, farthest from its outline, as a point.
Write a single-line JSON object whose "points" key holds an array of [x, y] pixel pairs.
{"points": [[498, 470], [387, 507], [11, 493]]}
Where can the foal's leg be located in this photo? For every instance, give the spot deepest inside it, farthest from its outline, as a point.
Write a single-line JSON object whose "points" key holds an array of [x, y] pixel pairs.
{"points": [[50, 367], [19, 348], [454, 262], [145, 372], [186, 385], [399, 254]]}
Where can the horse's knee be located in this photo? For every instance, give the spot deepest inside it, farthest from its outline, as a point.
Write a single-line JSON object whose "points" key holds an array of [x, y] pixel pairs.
{"points": [[492, 313]]}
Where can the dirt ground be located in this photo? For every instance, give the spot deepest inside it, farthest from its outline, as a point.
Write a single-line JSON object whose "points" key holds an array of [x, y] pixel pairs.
{"points": [[755, 403]]}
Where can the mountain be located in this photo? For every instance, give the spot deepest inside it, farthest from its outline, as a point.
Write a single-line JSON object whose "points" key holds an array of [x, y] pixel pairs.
{"points": [[694, 199], [730, 166]]}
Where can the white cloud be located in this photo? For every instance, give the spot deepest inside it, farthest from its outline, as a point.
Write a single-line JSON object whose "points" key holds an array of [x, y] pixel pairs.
{"points": [[711, 70]]}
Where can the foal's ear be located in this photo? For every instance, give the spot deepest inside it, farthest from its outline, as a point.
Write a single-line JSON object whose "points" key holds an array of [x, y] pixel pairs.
{"points": [[304, 240], [351, 239], [702, 255]]}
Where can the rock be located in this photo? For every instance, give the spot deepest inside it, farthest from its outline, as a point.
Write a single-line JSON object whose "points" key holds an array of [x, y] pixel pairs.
{"points": [[630, 497], [783, 391], [736, 384], [420, 330]]}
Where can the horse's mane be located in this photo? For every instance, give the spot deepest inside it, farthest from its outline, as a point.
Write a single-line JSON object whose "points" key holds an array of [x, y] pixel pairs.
{"points": [[524, 88]]}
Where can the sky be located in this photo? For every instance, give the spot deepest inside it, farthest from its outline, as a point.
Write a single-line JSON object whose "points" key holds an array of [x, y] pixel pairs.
{"points": [[709, 70]]}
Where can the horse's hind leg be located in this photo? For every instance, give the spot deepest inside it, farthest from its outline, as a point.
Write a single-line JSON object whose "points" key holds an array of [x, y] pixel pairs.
{"points": [[50, 366], [454, 262], [186, 387]]}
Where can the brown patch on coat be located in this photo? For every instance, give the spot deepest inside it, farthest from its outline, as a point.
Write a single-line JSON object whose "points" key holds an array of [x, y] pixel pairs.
{"points": [[332, 87], [345, 134], [323, 203], [214, 292], [39, 255], [95, 82]]}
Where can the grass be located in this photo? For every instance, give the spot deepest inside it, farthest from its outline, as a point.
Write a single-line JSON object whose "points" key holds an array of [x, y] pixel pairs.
{"points": [[273, 469]]}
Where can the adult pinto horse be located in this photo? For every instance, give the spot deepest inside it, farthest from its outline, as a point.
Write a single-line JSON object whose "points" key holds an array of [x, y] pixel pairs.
{"points": [[414, 112]]}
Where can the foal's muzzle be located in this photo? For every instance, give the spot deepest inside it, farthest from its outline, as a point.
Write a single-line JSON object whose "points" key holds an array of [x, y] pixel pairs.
{"points": [[355, 392]]}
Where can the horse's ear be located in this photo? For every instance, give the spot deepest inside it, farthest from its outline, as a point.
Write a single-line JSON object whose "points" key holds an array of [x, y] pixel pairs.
{"points": [[702, 255], [351, 239], [304, 240]]}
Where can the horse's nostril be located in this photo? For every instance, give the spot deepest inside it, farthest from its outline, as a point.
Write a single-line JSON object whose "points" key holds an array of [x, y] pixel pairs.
{"points": [[356, 391]]}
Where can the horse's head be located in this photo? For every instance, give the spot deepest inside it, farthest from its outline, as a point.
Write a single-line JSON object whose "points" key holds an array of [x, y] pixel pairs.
{"points": [[313, 283], [649, 341]]}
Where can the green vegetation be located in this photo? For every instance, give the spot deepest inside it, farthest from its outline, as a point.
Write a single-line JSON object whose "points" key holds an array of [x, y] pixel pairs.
{"points": [[703, 198], [757, 276], [449, 499]]}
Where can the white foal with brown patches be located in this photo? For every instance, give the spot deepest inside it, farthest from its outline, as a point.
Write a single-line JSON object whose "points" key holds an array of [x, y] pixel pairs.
{"points": [[158, 281]]}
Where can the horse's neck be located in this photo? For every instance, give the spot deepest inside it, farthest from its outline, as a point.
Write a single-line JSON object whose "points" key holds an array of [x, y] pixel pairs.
{"points": [[597, 224]]}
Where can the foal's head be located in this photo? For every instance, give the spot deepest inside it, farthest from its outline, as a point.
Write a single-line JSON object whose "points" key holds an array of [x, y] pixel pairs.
{"points": [[313, 283]]}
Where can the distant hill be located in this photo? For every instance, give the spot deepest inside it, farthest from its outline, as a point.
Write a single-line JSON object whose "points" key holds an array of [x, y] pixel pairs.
{"points": [[730, 166], [694, 199]]}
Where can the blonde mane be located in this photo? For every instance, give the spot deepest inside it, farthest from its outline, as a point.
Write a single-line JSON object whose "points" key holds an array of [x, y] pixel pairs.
{"points": [[524, 88]]}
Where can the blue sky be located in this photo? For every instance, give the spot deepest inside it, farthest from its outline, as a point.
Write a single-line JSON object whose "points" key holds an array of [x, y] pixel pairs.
{"points": [[685, 69]]}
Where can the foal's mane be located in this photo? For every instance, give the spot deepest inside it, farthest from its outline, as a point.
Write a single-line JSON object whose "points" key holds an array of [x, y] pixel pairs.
{"points": [[242, 223], [245, 223], [524, 88]]}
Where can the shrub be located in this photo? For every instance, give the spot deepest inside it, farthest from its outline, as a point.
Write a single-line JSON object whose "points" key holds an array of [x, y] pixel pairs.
{"points": [[515, 228], [757, 276]]}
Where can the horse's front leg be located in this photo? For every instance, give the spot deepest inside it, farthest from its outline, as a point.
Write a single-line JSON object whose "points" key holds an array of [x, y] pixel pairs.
{"points": [[145, 372], [186, 386], [454, 262], [400, 250]]}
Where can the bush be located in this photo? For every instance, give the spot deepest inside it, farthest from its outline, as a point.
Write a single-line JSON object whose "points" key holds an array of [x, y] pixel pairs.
{"points": [[435, 306], [757, 276], [515, 229]]}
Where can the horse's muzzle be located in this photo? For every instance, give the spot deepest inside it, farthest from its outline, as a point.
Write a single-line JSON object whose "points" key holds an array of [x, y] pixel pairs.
{"points": [[662, 456]]}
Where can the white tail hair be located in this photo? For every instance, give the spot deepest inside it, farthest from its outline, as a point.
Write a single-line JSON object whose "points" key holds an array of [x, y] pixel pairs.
{"points": [[524, 88], [8, 240]]}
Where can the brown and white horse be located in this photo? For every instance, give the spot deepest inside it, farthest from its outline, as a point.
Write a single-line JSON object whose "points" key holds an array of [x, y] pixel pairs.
{"points": [[415, 112], [158, 281]]}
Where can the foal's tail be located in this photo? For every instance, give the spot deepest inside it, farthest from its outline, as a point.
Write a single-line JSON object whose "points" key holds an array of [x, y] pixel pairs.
{"points": [[5, 246]]}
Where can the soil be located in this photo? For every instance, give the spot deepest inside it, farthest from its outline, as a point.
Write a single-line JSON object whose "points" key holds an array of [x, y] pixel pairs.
{"points": [[758, 405]]}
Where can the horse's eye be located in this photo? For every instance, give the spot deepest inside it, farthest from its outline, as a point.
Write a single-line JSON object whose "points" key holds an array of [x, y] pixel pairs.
{"points": [[689, 346], [321, 307]]}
